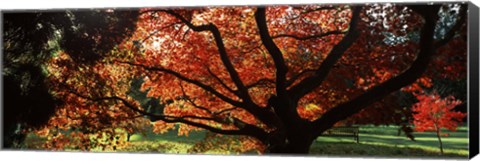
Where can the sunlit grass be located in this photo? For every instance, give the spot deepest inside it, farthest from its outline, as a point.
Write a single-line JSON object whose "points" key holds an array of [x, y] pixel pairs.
{"points": [[374, 141], [385, 141]]}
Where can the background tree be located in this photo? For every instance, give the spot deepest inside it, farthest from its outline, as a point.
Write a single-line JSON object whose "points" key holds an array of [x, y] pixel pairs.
{"points": [[280, 75], [432, 113], [30, 40]]}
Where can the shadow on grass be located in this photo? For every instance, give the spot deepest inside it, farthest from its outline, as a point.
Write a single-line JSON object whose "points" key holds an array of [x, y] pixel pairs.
{"points": [[385, 141], [171, 135], [375, 141], [345, 149]]}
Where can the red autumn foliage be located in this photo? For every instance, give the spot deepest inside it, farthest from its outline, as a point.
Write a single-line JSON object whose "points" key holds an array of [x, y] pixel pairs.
{"points": [[432, 113], [280, 75]]}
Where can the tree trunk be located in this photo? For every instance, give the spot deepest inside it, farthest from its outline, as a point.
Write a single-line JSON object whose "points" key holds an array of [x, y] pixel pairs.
{"points": [[298, 142], [440, 141], [128, 137], [294, 134], [299, 147]]}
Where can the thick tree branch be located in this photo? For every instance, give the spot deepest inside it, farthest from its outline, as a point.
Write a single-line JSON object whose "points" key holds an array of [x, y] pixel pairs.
{"points": [[418, 67], [310, 83], [230, 120], [273, 50], [245, 129], [262, 114], [248, 130]]}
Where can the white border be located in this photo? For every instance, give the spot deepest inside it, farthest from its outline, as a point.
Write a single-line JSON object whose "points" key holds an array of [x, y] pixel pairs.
{"points": [[59, 4], [53, 156]]}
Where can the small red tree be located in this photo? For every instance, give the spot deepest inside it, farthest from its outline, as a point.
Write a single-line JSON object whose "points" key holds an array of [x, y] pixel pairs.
{"points": [[432, 113]]}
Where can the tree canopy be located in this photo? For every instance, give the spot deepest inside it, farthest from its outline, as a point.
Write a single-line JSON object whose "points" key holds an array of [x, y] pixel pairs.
{"points": [[277, 75]]}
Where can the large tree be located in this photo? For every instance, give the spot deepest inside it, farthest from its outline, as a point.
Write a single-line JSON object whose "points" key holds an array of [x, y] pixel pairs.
{"points": [[278, 75]]}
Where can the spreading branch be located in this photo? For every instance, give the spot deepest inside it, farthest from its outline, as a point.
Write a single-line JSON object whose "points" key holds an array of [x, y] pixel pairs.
{"points": [[273, 50], [310, 83], [186, 79], [221, 49], [230, 120], [262, 114], [244, 129], [418, 67]]}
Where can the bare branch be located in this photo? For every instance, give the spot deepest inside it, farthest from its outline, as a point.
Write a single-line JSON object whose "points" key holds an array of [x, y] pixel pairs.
{"points": [[309, 37]]}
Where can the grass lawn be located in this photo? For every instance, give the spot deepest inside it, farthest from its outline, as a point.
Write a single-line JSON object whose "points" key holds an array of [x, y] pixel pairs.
{"points": [[383, 141], [378, 141], [169, 142]]}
